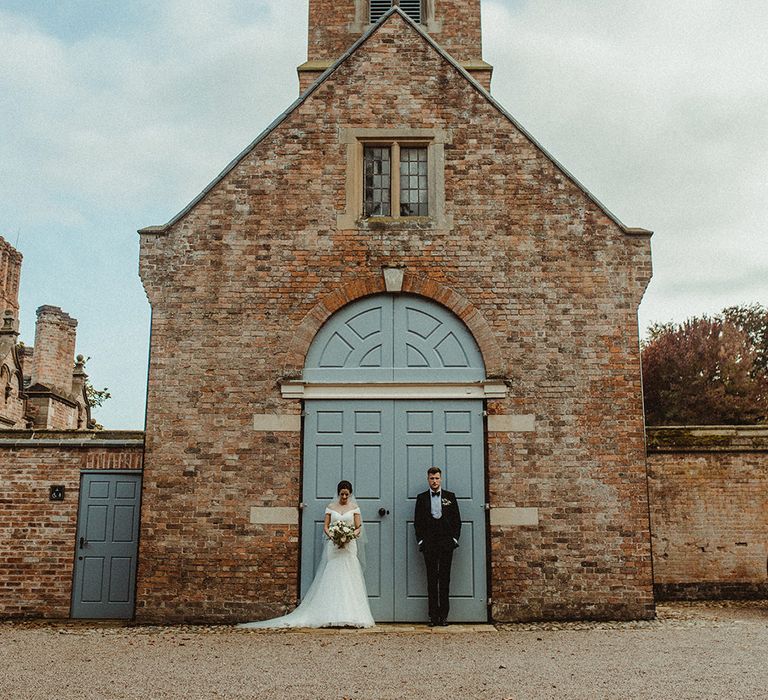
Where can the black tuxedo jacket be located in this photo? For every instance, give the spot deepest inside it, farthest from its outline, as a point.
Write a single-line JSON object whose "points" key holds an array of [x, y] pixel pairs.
{"points": [[437, 532]]}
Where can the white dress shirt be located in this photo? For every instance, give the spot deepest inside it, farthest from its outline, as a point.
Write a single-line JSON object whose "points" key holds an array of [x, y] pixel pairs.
{"points": [[436, 503]]}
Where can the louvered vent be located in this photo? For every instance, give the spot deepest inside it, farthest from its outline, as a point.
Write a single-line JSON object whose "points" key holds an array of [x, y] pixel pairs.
{"points": [[378, 8], [412, 8]]}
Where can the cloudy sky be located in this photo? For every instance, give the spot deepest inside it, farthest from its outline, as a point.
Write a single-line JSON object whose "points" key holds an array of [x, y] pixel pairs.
{"points": [[114, 114]]}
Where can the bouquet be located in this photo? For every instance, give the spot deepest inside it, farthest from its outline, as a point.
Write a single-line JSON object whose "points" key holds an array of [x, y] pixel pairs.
{"points": [[341, 533]]}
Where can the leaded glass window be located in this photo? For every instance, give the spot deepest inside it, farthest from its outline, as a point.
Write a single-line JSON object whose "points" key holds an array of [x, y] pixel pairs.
{"points": [[413, 181], [378, 181]]}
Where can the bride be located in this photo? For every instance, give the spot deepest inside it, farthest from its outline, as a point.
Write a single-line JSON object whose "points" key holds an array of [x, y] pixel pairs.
{"points": [[337, 596]]}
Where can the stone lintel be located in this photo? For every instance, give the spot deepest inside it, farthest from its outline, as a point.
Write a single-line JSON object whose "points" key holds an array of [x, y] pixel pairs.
{"points": [[393, 390], [512, 517]]}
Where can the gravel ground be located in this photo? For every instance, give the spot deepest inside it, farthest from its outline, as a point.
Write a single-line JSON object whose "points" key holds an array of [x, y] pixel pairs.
{"points": [[691, 651]]}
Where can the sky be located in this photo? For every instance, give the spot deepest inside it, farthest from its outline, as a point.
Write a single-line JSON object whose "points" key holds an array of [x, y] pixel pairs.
{"points": [[115, 114]]}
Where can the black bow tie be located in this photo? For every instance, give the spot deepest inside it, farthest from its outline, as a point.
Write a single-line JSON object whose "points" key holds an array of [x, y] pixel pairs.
{"points": [[435, 494]]}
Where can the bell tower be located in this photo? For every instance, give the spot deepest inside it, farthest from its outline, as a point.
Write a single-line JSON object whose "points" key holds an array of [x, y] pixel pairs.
{"points": [[334, 25]]}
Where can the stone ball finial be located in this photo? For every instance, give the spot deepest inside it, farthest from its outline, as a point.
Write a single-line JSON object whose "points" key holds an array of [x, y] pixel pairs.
{"points": [[80, 360]]}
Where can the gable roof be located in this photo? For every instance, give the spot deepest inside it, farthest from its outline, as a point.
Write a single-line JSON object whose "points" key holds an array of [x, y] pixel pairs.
{"points": [[332, 69]]}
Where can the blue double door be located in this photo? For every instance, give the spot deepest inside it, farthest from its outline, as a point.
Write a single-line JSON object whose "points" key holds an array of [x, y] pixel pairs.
{"points": [[384, 447]]}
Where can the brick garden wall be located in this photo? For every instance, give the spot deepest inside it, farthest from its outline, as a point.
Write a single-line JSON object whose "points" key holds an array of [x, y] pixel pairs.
{"points": [[555, 280], [709, 511], [37, 536]]}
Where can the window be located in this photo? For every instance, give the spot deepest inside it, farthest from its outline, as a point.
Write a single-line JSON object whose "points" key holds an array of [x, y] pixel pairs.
{"points": [[393, 177], [414, 193], [406, 190], [378, 8], [378, 181]]}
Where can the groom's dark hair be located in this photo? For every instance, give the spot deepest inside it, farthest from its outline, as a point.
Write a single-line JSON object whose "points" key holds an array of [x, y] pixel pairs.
{"points": [[343, 485], [434, 470]]}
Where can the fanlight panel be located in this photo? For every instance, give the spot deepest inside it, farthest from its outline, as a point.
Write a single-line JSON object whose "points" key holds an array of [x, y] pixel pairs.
{"points": [[388, 338]]}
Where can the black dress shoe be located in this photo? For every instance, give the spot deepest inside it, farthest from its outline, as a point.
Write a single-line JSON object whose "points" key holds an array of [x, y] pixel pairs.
{"points": [[443, 622], [432, 623]]}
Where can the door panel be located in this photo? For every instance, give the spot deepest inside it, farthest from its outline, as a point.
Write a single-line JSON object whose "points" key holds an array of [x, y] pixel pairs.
{"points": [[351, 440], [107, 545], [385, 449], [456, 445]]}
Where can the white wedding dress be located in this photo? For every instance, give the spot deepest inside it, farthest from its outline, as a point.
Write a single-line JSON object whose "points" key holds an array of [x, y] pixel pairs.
{"points": [[337, 596]]}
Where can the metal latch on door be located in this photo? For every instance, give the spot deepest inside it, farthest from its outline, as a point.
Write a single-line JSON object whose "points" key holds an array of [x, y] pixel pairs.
{"points": [[383, 512]]}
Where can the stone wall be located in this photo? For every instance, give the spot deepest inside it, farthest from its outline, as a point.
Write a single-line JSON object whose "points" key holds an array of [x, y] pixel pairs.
{"points": [[709, 511], [237, 281], [10, 273], [37, 535]]}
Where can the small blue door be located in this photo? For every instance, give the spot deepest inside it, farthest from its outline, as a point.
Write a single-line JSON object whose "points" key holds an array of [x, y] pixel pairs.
{"points": [[106, 547]]}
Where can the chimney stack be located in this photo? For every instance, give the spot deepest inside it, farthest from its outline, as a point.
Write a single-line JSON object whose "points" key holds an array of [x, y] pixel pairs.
{"points": [[54, 353]]}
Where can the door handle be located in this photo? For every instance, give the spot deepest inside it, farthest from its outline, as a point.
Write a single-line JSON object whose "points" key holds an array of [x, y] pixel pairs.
{"points": [[383, 512]]}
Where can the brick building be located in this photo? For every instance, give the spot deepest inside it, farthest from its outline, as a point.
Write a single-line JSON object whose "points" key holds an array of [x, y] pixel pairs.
{"points": [[41, 386], [394, 274]]}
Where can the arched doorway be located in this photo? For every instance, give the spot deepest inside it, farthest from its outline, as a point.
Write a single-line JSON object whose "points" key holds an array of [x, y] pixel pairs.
{"points": [[395, 382]]}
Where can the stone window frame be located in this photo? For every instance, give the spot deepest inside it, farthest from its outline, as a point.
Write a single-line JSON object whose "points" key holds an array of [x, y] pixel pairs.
{"points": [[433, 139], [361, 23]]}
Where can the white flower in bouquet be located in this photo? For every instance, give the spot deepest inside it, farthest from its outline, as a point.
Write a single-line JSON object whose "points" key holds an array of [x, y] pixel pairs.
{"points": [[341, 533]]}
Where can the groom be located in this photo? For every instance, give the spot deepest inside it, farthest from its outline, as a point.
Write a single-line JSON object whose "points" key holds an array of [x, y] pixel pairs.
{"points": [[438, 524]]}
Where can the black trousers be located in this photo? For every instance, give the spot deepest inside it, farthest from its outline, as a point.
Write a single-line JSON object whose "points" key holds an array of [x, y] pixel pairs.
{"points": [[438, 562]]}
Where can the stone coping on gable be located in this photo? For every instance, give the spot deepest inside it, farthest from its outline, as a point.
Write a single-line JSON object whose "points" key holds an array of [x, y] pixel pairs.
{"points": [[707, 438]]}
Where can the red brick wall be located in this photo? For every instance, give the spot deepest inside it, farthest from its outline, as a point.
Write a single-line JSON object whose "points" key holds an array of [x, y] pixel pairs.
{"points": [[554, 278], [709, 507], [37, 536], [332, 28]]}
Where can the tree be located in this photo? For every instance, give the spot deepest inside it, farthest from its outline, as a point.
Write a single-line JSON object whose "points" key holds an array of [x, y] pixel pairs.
{"points": [[96, 397], [708, 371]]}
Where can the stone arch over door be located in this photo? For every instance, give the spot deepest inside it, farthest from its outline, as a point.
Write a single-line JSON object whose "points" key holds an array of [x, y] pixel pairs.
{"points": [[394, 357]]}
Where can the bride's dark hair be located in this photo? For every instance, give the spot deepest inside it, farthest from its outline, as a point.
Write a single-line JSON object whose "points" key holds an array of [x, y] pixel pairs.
{"points": [[343, 485]]}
